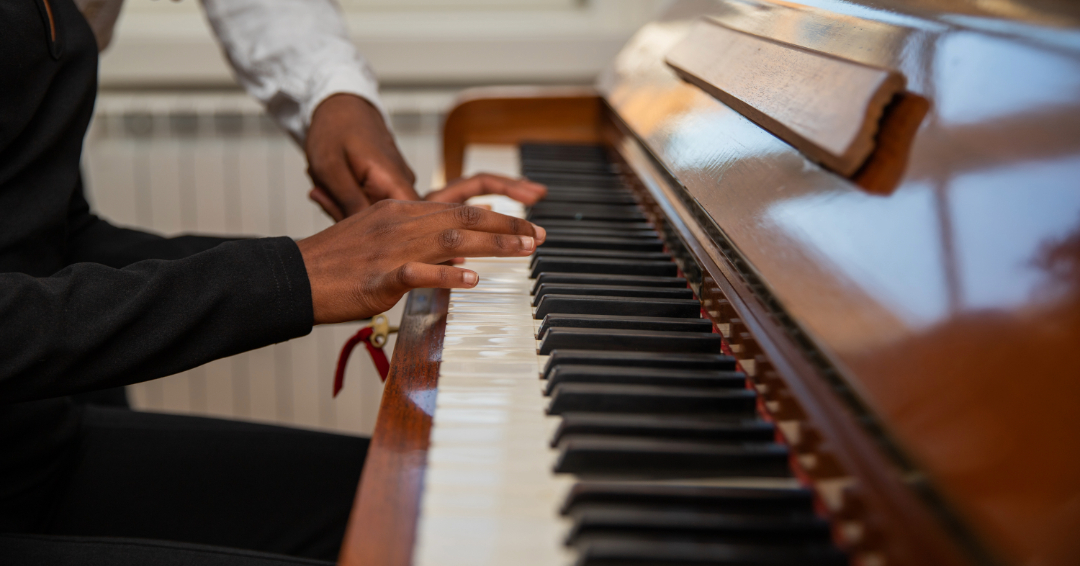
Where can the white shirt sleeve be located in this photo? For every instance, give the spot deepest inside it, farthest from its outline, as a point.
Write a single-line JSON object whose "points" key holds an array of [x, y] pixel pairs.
{"points": [[291, 55]]}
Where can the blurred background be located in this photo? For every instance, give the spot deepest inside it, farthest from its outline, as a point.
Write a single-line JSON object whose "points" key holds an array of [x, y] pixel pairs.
{"points": [[176, 146]]}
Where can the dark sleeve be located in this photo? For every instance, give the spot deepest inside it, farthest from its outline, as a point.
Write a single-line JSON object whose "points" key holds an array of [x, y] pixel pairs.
{"points": [[92, 239], [91, 326]]}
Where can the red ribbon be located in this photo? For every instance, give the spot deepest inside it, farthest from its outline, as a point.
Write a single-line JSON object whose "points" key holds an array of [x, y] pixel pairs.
{"points": [[378, 357]]}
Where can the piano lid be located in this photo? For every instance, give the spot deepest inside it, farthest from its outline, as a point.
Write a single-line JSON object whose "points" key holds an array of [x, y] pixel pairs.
{"points": [[950, 301]]}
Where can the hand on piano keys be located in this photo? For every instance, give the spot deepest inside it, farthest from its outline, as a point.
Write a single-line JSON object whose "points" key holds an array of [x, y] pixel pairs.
{"points": [[364, 264]]}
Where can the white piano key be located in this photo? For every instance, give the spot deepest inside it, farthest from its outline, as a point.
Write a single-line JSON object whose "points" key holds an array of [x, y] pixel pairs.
{"points": [[475, 318], [473, 342], [523, 356], [463, 329], [492, 300], [490, 309], [501, 289], [488, 299], [487, 367]]}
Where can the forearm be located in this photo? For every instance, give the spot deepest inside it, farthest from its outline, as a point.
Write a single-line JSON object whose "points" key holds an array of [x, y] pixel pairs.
{"points": [[291, 55], [120, 247], [94, 240], [90, 326]]}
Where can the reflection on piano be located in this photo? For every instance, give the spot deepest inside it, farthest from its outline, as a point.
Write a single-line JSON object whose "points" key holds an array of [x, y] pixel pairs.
{"points": [[725, 353]]}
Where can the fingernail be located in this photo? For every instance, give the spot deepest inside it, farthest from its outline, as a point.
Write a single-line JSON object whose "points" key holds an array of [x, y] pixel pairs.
{"points": [[527, 243], [470, 278], [541, 234]]}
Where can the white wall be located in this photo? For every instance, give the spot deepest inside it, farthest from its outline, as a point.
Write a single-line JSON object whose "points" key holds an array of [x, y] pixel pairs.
{"points": [[408, 42]]}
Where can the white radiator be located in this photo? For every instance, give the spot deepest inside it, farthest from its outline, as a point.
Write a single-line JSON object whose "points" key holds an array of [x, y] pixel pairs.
{"points": [[213, 163]]}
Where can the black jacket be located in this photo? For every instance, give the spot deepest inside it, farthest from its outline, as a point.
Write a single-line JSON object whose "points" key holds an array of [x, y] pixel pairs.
{"points": [[86, 305]]}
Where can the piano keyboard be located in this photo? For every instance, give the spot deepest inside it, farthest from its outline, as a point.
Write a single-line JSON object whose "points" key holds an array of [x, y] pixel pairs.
{"points": [[585, 412]]}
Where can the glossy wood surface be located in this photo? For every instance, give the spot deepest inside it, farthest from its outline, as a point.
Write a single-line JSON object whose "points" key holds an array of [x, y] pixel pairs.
{"points": [[874, 512], [509, 115], [950, 303], [382, 525], [829, 108]]}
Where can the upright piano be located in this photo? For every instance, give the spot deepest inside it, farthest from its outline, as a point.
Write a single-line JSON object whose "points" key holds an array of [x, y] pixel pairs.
{"points": [[810, 295]]}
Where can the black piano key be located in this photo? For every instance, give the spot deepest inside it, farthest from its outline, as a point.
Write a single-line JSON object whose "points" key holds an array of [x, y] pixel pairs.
{"points": [[580, 180], [563, 151], [603, 233], [570, 373], [651, 399], [589, 197], [601, 243], [567, 189], [573, 208], [598, 207], [628, 214], [571, 164], [655, 458], [736, 500], [617, 339], [596, 180], [617, 306], [598, 225], [602, 279], [603, 266], [659, 324], [564, 192], [571, 150], [661, 553], [664, 426], [578, 160], [716, 362], [542, 166], [579, 166], [579, 253], [696, 526], [546, 167], [610, 291], [564, 189]]}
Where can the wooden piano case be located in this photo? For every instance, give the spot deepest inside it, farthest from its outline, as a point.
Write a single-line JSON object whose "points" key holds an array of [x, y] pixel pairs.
{"points": [[913, 328]]}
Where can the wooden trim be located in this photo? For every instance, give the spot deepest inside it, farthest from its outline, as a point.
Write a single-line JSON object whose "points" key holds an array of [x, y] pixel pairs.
{"points": [[510, 115], [382, 526]]}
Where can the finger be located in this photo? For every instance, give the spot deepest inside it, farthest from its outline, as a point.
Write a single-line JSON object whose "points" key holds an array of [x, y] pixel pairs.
{"points": [[389, 182], [521, 190], [343, 184], [527, 193], [480, 220], [326, 202], [454, 243], [414, 209], [422, 275]]}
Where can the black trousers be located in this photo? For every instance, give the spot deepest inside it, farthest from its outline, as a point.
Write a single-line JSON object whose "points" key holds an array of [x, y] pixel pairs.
{"points": [[150, 489]]}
